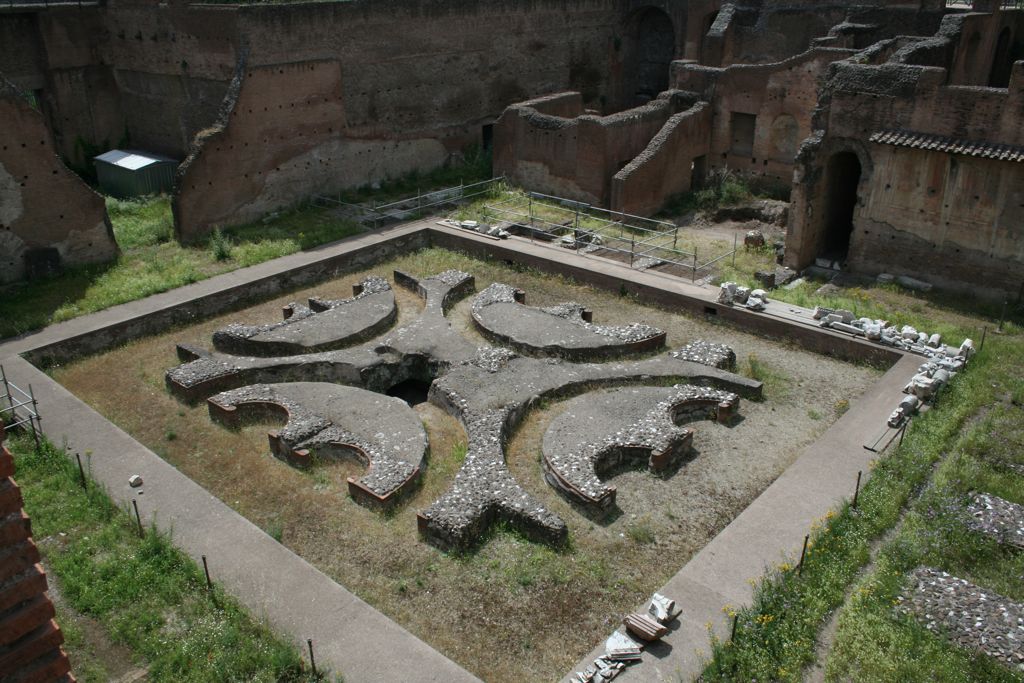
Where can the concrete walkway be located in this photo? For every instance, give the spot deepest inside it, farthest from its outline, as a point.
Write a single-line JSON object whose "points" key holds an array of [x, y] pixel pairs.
{"points": [[353, 638]]}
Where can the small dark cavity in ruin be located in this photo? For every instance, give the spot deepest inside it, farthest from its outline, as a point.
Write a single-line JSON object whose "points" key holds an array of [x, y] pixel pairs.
{"points": [[412, 391]]}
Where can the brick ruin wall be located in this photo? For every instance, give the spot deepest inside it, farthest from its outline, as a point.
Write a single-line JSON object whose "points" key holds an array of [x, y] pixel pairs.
{"points": [[757, 117], [42, 203], [776, 100], [954, 219], [573, 154], [30, 640], [418, 80], [666, 165]]}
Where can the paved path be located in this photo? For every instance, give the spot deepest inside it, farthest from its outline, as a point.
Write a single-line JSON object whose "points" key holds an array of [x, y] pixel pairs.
{"points": [[350, 636]]}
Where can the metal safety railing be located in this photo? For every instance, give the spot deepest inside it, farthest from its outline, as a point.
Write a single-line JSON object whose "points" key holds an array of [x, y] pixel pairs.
{"points": [[641, 242], [377, 215], [19, 408]]}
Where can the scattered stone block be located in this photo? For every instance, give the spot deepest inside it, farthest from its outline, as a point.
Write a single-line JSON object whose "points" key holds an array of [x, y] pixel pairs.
{"points": [[644, 627], [754, 239], [135, 481], [765, 279]]}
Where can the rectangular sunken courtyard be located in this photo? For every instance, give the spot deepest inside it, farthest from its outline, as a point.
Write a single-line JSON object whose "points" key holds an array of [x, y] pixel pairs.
{"points": [[549, 567]]}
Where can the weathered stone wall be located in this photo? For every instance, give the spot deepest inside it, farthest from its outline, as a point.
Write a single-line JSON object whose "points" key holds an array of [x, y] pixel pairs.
{"points": [[949, 219], [666, 166], [42, 203], [952, 216], [576, 157], [154, 74], [285, 138], [978, 42], [767, 32]]}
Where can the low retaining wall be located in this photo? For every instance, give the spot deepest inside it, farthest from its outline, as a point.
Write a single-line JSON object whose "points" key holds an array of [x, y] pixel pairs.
{"points": [[244, 294]]}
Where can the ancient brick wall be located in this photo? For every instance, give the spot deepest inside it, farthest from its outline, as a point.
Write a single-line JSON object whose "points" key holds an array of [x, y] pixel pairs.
{"points": [[947, 218], [158, 72], [42, 203], [575, 157], [951, 214], [779, 98], [666, 166], [30, 640], [285, 138]]}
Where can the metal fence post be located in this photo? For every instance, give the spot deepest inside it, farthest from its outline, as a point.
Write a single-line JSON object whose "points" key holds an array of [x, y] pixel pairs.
{"points": [[33, 419], [735, 245]]}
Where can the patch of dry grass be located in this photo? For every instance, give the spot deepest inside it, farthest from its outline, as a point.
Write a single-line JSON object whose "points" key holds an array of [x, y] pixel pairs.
{"points": [[512, 610]]}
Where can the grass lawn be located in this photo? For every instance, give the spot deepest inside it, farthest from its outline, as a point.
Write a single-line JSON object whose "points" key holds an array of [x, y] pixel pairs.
{"points": [[151, 261], [974, 431], [146, 595]]}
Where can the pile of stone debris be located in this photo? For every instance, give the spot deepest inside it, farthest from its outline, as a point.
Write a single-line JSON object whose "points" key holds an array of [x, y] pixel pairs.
{"points": [[496, 231], [732, 294], [623, 648], [931, 377], [906, 338]]}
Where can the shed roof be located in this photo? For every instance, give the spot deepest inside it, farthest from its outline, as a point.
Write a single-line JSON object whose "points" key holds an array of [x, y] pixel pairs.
{"points": [[133, 160]]}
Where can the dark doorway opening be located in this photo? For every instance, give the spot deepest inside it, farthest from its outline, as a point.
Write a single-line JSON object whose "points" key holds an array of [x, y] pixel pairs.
{"points": [[412, 391], [743, 127], [652, 50], [487, 136], [698, 173], [843, 177], [1002, 64]]}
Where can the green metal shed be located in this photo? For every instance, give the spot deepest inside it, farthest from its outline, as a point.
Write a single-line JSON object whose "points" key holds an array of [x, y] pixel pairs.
{"points": [[130, 173]]}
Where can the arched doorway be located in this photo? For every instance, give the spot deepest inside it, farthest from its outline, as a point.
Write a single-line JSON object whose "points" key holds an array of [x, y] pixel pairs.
{"points": [[1002, 65], [652, 49], [842, 176]]}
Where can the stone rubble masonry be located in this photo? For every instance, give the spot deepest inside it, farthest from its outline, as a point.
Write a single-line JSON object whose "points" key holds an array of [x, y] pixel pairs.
{"points": [[708, 353], [488, 389], [969, 615], [43, 204], [30, 640], [324, 419], [599, 434]]}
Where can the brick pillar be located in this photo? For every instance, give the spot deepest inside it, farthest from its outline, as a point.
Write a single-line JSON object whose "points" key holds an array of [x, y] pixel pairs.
{"points": [[30, 640]]}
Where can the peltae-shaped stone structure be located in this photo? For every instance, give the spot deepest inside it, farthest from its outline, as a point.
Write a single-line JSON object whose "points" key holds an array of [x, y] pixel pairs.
{"points": [[488, 389], [566, 330], [322, 326], [598, 434], [331, 420]]}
